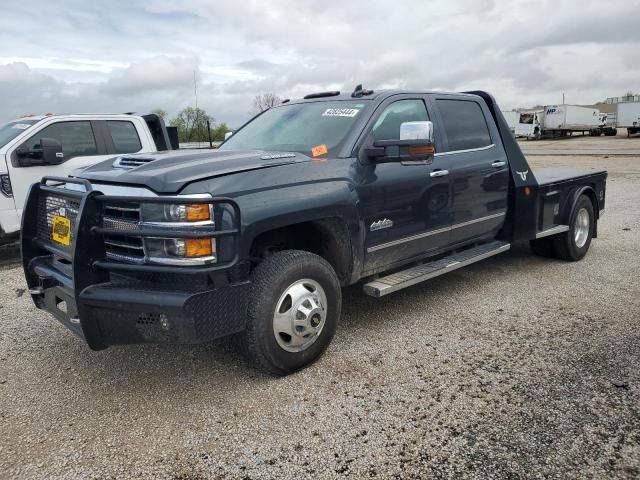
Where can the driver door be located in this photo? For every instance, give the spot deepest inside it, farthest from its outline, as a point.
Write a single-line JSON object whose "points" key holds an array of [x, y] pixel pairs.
{"points": [[405, 205]]}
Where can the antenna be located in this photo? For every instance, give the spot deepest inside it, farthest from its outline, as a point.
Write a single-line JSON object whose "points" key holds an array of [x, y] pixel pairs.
{"points": [[195, 89]]}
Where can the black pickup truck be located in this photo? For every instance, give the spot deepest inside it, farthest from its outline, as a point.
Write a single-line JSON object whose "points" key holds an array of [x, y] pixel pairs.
{"points": [[386, 188]]}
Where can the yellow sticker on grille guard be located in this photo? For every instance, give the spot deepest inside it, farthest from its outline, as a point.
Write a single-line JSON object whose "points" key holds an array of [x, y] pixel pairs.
{"points": [[61, 230]]}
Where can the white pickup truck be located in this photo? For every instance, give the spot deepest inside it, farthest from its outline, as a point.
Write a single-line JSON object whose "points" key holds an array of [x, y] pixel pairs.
{"points": [[56, 145]]}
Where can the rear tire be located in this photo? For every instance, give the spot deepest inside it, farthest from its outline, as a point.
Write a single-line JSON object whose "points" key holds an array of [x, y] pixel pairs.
{"points": [[293, 311], [542, 247], [574, 244]]}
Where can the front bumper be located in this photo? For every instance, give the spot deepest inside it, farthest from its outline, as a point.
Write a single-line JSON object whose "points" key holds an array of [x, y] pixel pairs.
{"points": [[109, 303]]}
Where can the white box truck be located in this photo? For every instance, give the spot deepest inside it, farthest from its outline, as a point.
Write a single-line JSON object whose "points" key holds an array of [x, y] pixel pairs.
{"points": [[563, 120], [513, 118], [628, 116]]}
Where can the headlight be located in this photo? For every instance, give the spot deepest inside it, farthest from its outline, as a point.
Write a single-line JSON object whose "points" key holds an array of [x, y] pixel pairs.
{"points": [[181, 250], [183, 213]]}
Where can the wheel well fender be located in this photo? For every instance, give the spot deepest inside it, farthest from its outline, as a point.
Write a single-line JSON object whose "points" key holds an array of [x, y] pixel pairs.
{"points": [[335, 238], [590, 193]]}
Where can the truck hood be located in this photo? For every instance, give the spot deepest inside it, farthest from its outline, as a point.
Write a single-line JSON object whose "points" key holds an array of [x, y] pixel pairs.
{"points": [[169, 172]]}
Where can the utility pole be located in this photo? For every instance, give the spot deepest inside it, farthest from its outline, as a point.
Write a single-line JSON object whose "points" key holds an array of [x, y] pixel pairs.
{"points": [[195, 98], [563, 98], [195, 89]]}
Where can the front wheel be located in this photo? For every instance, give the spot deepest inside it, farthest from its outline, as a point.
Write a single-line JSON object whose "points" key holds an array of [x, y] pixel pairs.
{"points": [[293, 311], [574, 244]]}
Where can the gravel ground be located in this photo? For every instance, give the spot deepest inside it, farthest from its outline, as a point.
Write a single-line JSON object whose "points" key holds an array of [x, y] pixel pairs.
{"points": [[584, 145], [517, 367]]}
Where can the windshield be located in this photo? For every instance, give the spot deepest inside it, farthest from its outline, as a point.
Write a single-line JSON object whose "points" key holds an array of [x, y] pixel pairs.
{"points": [[11, 130], [315, 129]]}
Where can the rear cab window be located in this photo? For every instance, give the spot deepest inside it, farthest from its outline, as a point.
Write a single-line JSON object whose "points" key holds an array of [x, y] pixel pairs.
{"points": [[125, 136], [464, 124]]}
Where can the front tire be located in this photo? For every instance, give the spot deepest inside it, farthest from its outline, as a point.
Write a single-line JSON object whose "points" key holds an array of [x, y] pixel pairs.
{"points": [[574, 244], [293, 311]]}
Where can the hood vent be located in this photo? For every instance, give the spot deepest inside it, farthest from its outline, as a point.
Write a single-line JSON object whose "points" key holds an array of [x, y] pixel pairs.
{"points": [[128, 163]]}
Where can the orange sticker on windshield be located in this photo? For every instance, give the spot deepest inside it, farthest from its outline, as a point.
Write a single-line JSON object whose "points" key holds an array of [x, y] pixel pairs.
{"points": [[319, 150]]}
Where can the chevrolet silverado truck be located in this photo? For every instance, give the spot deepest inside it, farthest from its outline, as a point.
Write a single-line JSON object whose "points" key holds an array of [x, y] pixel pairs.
{"points": [[31, 147], [387, 189]]}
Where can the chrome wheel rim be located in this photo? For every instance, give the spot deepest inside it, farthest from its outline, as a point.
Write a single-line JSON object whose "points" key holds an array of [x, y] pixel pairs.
{"points": [[581, 228], [300, 315]]}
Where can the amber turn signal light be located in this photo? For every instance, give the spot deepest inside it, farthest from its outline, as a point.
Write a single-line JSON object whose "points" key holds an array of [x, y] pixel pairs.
{"points": [[422, 150], [199, 247], [198, 211]]}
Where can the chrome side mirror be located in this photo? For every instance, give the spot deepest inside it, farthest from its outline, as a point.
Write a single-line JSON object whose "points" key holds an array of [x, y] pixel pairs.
{"points": [[417, 131], [227, 135]]}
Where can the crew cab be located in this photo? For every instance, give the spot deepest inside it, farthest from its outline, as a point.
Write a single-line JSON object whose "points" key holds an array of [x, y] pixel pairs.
{"points": [[31, 147], [386, 189]]}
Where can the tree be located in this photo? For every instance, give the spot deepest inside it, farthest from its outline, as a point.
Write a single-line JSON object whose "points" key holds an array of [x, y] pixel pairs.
{"points": [[160, 112], [192, 125], [217, 132], [265, 102]]}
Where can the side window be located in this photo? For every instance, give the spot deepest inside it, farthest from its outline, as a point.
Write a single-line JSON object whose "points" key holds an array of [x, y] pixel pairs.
{"points": [[125, 137], [76, 138], [464, 123], [387, 127]]}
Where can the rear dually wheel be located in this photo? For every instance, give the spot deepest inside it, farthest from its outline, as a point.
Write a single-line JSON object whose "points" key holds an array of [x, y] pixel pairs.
{"points": [[574, 244]]}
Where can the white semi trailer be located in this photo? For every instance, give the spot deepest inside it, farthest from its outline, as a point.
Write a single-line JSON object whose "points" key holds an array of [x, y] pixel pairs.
{"points": [[512, 117], [628, 116], [563, 120]]}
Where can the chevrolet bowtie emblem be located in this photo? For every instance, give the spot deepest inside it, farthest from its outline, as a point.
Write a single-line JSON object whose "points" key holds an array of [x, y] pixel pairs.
{"points": [[380, 224]]}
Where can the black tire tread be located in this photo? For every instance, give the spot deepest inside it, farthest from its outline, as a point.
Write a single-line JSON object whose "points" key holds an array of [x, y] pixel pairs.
{"points": [[264, 275], [563, 243]]}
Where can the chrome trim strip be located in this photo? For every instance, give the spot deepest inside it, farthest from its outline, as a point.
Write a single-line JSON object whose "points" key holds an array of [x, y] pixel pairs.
{"points": [[552, 231], [478, 220], [123, 209], [469, 150], [123, 245], [407, 239], [400, 241]]}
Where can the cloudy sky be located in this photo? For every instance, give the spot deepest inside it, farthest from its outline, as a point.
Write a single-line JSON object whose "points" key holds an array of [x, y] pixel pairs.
{"points": [[128, 55]]}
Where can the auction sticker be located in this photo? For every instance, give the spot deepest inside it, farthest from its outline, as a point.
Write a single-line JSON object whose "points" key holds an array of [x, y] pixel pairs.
{"points": [[340, 112], [319, 150]]}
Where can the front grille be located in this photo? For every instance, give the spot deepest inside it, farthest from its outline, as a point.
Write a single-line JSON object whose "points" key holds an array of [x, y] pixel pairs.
{"points": [[123, 216], [50, 206]]}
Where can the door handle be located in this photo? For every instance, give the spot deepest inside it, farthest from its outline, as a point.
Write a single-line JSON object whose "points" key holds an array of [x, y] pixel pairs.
{"points": [[498, 164], [439, 173]]}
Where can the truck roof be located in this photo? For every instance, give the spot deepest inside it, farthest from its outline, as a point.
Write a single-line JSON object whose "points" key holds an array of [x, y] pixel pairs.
{"points": [[374, 95], [58, 115]]}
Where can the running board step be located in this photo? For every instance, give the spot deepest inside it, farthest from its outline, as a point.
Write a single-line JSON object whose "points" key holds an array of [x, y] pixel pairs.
{"points": [[405, 278]]}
